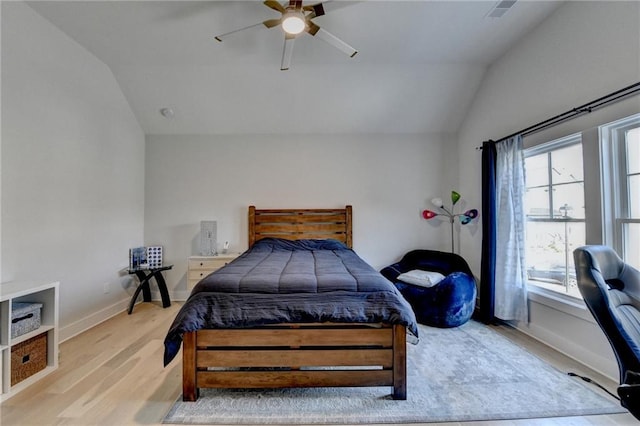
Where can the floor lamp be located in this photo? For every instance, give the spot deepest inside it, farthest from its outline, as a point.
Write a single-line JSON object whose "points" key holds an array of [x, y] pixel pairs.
{"points": [[464, 218]]}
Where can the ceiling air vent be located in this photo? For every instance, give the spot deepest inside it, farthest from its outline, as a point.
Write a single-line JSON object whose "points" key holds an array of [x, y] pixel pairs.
{"points": [[501, 8]]}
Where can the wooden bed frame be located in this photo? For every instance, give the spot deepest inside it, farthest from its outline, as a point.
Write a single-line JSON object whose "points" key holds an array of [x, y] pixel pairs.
{"points": [[296, 355]]}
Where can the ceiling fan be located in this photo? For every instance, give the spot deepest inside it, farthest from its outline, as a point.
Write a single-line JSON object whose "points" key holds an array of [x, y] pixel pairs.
{"points": [[295, 20]]}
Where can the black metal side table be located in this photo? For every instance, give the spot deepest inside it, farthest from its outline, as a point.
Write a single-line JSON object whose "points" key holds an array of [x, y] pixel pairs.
{"points": [[144, 276]]}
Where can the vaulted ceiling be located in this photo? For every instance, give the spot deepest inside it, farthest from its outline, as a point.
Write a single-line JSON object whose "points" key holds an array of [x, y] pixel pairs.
{"points": [[418, 67]]}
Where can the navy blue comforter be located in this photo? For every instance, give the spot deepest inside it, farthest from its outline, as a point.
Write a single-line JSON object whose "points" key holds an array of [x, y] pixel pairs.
{"points": [[281, 281]]}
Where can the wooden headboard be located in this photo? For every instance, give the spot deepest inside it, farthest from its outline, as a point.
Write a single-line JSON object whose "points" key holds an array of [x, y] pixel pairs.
{"points": [[296, 224]]}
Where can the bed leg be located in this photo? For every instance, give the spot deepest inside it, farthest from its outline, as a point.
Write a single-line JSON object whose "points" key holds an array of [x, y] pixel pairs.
{"points": [[399, 362], [190, 391]]}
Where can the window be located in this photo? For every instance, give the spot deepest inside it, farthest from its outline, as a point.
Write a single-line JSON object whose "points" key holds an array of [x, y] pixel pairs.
{"points": [[620, 142], [554, 207]]}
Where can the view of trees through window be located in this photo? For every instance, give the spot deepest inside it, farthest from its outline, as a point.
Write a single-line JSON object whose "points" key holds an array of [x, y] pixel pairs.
{"points": [[554, 207], [555, 203], [630, 207]]}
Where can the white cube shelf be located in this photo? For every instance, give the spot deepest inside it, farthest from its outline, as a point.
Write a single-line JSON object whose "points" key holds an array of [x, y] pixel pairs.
{"points": [[42, 292]]}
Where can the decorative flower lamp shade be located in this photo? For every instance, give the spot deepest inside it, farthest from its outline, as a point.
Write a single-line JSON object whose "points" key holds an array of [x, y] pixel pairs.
{"points": [[464, 218]]}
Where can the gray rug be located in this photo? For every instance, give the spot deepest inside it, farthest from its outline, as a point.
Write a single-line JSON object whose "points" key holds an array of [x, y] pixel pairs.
{"points": [[460, 374]]}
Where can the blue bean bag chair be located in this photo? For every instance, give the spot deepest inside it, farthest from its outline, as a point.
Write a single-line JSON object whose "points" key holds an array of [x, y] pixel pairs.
{"points": [[450, 302]]}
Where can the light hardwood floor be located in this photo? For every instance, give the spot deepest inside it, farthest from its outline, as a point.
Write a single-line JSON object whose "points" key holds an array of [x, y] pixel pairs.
{"points": [[113, 375]]}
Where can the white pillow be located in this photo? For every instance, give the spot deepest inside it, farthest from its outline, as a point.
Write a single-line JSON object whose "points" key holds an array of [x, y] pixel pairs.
{"points": [[421, 278]]}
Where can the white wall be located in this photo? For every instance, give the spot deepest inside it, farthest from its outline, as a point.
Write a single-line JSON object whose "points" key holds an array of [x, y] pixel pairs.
{"points": [[387, 178], [72, 169], [0, 144], [583, 51]]}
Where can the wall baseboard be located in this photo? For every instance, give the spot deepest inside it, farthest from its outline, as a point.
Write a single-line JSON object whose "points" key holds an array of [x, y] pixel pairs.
{"points": [[77, 327], [571, 349], [84, 324], [180, 296], [174, 296]]}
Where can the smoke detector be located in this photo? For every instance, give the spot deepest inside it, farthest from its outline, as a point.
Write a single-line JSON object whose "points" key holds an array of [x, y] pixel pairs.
{"points": [[167, 112]]}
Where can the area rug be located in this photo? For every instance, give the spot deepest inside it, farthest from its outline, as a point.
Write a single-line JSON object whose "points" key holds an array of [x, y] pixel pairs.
{"points": [[458, 374]]}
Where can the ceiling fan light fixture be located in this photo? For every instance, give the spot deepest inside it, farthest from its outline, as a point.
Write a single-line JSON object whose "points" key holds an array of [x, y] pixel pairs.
{"points": [[293, 23]]}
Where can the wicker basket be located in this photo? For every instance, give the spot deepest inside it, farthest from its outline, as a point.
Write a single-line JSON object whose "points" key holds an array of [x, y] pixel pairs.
{"points": [[28, 357]]}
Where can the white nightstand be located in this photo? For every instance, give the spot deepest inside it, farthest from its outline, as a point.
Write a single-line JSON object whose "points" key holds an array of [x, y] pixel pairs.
{"points": [[201, 266]]}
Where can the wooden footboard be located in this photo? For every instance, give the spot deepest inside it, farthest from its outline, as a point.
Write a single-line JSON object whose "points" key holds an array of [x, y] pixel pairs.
{"points": [[295, 355]]}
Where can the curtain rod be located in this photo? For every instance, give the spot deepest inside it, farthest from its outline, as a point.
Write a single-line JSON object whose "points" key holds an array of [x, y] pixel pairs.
{"points": [[583, 109]]}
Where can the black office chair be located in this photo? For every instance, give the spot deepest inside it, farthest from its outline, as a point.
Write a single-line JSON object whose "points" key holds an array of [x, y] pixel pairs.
{"points": [[611, 291]]}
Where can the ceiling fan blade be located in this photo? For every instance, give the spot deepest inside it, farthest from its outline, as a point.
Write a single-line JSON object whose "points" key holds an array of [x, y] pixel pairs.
{"points": [[328, 6], [222, 36], [315, 9], [335, 42], [274, 5], [296, 4], [287, 52], [311, 28], [270, 23]]}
